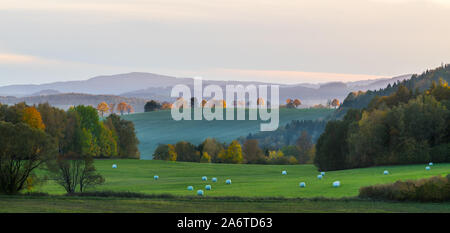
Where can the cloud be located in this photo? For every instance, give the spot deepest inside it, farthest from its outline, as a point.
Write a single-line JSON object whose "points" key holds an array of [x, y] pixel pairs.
{"points": [[11, 58]]}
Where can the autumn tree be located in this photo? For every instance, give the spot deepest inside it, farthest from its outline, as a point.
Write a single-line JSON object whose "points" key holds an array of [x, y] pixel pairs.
{"points": [[102, 108], [297, 103], [335, 103], [33, 118], [205, 158], [130, 109], [233, 154], [122, 107]]}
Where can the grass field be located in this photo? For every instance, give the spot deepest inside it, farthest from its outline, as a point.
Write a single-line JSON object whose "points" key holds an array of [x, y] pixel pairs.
{"points": [[158, 127], [247, 180], [61, 204]]}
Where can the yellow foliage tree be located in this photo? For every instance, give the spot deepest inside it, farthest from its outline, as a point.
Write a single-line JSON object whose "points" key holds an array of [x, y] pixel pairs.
{"points": [[102, 108], [32, 117], [172, 153], [233, 153], [205, 158]]}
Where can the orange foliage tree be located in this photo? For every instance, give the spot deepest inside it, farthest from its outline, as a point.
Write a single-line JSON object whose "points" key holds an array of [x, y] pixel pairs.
{"points": [[32, 117], [103, 108], [122, 107]]}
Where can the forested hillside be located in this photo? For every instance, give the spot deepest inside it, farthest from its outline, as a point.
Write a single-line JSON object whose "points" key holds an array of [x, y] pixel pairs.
{"points": [[417, 83]]}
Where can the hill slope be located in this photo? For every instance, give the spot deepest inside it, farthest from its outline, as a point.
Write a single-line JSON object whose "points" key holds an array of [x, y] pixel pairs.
{"points": [[155, 128], [420, 82]]}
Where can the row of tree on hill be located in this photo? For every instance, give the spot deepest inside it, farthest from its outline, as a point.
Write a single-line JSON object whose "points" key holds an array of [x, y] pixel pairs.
{"points": [[406, 127], [105, 108], [153, 105], [64, 141], [212, 151]]}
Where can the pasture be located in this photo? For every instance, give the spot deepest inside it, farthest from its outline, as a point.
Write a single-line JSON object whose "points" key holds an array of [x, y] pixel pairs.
{"points": [[247, 180], [158, 127]]}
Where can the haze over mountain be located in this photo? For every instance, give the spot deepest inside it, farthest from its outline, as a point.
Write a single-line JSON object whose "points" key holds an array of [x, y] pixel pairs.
{"points": [[145, 86]]}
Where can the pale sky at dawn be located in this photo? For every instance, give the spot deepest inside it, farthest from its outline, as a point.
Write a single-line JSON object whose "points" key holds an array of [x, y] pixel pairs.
{"points": [[284, 41]]}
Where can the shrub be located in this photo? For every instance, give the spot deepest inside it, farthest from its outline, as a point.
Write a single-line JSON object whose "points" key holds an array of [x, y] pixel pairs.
{"points": [[434, 189]]}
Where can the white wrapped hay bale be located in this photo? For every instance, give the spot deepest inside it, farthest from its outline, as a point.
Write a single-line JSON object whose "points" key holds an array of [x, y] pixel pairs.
{"points": [[431, 164], [190, 188], [319, 177], [200, 192], [114, 166], [322, 173], [228, 181], [302, 184], [155, 177], [284, 173], [427, 168], [336, 184], [208, 187], [204, 178], [214, 179], [386, 172]]}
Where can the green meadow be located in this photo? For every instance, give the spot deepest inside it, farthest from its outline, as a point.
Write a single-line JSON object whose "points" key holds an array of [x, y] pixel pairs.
{"points": [[247, 180], [158, 127]]}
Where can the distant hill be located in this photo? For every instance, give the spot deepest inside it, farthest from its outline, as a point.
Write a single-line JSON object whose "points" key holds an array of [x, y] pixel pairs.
{"points": [[360, 99], [64, 101], [158, 87]]}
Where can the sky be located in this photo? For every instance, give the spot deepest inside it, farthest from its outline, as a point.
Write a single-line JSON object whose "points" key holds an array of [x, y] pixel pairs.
{"points": [[283, 41]]}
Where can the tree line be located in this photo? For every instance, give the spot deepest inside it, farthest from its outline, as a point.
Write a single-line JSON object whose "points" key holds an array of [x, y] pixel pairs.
{"points": [[406, 127], [249, 152], [63, 142]]}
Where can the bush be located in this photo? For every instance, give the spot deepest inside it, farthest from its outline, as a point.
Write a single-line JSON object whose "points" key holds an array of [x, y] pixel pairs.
{"points": [[434, 189]]}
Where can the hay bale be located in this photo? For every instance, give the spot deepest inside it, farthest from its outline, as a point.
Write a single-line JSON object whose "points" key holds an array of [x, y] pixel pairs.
{"points": [[427, 168], [228, 181], [208, 187], [204, 178], [155, 177], [322, 173], [114, 166], [386, 172], [190, 188], [431, 164], [200, 192], [284, 173], [319, 177], [302, 184], [214, 179], [336, 184]]}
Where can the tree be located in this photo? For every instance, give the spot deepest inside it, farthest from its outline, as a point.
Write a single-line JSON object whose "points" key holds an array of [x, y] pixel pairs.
{"points": [[130, 109], [127, 142], [297, 103], [304, 146], [205, 158], [212, 147], [32, 117], [252, 152], [260, 101], [55, 121], [102, 108], [76, 172], [187, 152], [165, 152], [335, 103], [233, 153], [122, 107], [152, 106], [22, 150]]}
